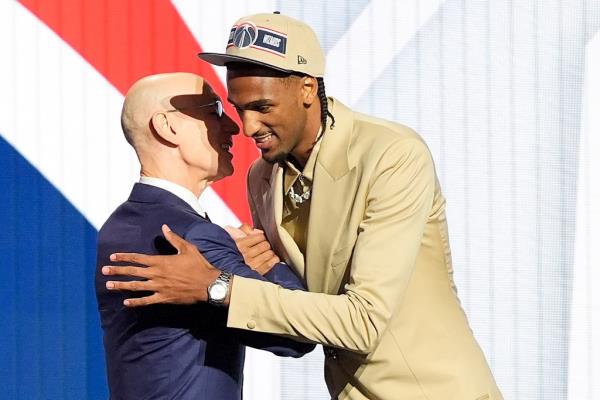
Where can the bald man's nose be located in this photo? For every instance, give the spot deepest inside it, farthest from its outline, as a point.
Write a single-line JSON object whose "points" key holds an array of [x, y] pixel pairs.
{"points": [[228, 125]]}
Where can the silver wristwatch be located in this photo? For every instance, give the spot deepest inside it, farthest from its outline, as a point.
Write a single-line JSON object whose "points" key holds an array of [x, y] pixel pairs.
{"points": [[218, 290]]}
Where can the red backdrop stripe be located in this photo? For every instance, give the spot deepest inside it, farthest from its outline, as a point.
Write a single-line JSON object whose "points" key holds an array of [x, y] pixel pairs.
{"points": [[125, 40]]}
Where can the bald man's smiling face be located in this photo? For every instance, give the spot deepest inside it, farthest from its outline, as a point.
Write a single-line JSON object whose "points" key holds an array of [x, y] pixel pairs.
{"points": [[205, 138], [178, 130]]}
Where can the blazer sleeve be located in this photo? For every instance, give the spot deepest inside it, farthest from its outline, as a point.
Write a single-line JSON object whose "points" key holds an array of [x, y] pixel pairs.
{"points": [[220, 250], [399, 200]]}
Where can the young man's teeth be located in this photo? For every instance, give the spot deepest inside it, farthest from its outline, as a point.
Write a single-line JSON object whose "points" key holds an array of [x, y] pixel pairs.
{"points": [[262, 139], [226, 146]]}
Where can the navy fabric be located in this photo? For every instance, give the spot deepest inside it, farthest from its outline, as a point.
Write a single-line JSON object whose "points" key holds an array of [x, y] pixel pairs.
{"points": [[166, 351]]}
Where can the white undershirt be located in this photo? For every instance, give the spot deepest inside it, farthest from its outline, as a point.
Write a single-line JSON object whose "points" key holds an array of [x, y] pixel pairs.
{"points": [[178, 190]]}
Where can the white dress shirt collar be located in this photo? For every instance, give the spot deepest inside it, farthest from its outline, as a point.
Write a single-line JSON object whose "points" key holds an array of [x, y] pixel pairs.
{"points": [[178, 190]]}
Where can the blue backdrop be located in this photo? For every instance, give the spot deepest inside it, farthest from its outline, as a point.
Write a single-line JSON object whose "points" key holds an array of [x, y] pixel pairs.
{"points": [[50, 346]]}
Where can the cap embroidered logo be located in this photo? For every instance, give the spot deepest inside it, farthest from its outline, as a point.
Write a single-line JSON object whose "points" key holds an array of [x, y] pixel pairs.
{"points": [[245, 35]]}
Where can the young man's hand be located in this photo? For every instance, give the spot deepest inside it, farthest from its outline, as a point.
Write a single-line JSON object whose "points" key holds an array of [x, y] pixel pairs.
{"points": [[177, 279], [255, 248]]}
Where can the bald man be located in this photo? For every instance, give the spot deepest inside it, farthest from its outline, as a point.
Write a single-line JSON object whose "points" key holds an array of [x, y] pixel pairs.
{"points": [[177, 127]]}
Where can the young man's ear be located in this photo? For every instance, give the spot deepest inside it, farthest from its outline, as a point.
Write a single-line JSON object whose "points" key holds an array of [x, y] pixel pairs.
{"points": [[163, 128], [309, 89]]}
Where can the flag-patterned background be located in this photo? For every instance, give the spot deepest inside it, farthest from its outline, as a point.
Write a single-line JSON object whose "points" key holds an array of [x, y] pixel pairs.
{"points": [[505, 92]]}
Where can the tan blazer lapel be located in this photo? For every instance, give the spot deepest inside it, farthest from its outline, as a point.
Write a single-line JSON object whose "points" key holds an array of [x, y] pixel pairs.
{"points": [[289, 250], [268, 201], [330, 209], [333, 191], [265, 202]]}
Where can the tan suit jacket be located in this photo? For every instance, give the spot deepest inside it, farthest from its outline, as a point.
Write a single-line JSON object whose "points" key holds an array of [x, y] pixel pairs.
{"points": [[378, 265]]}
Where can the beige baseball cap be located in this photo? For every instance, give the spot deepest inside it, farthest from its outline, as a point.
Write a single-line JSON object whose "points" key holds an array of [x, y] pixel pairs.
{"points": [[275, 41]]}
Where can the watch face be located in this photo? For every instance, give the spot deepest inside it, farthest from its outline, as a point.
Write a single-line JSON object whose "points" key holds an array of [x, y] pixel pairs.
{"points": [[218, 291]]}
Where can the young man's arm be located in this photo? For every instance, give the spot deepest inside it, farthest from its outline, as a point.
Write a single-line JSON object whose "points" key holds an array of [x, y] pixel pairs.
{"points": [[220, 250], [383, 259]]}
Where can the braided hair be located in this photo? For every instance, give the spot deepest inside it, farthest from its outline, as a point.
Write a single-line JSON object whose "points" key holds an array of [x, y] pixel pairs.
{"points": [[324, 108]]}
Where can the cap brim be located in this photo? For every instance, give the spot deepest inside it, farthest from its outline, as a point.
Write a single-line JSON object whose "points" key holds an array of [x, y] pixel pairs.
{"points": [[222, 60]]}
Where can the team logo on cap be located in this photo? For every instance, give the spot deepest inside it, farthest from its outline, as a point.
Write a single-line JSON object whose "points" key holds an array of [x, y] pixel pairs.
{"points": [[248, 35], [245, 35]]}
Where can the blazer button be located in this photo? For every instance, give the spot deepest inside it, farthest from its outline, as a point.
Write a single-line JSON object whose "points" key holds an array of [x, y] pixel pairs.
{"points": [[330, 353], [251, 324]]}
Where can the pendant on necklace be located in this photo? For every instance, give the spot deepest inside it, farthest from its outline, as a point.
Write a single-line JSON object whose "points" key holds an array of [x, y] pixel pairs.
{"points": [[299, 198]]}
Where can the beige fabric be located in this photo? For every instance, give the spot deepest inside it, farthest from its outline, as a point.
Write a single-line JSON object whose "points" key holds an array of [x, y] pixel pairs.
{"points": [[273, 40], [378, 264], [295, 215]]}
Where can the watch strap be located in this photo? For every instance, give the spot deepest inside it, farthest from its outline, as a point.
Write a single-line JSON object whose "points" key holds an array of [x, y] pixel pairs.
{"points": [[224, 278]]}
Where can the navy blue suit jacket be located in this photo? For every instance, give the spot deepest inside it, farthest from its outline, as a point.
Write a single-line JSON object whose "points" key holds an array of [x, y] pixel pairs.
{"points": [[176, 352]]}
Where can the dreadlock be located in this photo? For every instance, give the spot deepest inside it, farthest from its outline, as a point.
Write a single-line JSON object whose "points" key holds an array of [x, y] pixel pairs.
{"points": [[324, 109]]}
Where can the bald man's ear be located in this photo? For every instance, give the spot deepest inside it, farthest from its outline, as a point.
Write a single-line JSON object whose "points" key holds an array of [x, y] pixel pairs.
{"points": [[309, 89], [163, 128]]}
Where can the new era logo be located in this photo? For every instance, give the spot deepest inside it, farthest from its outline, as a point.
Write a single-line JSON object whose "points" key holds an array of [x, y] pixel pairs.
{"points": [[301, 60]]}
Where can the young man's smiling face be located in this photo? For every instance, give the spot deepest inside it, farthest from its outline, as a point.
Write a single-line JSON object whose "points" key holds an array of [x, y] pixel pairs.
{"points": [[273, 111]]}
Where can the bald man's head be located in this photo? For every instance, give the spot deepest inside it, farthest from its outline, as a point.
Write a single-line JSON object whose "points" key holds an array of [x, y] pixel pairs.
{"points": [[176, 124], [153, 94]]}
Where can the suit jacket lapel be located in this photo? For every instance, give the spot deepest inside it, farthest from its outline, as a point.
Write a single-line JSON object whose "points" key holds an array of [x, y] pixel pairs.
{"points": [[271, 211], [333, 192], [291, 251], [265, 205]]}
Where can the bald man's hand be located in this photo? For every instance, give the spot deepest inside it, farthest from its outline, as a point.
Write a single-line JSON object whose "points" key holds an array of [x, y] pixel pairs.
{"points": [[178, 279], [255, 248]]}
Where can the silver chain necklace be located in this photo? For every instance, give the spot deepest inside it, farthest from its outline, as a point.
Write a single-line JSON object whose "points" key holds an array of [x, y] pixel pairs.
{"points": [[299, 198]]}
